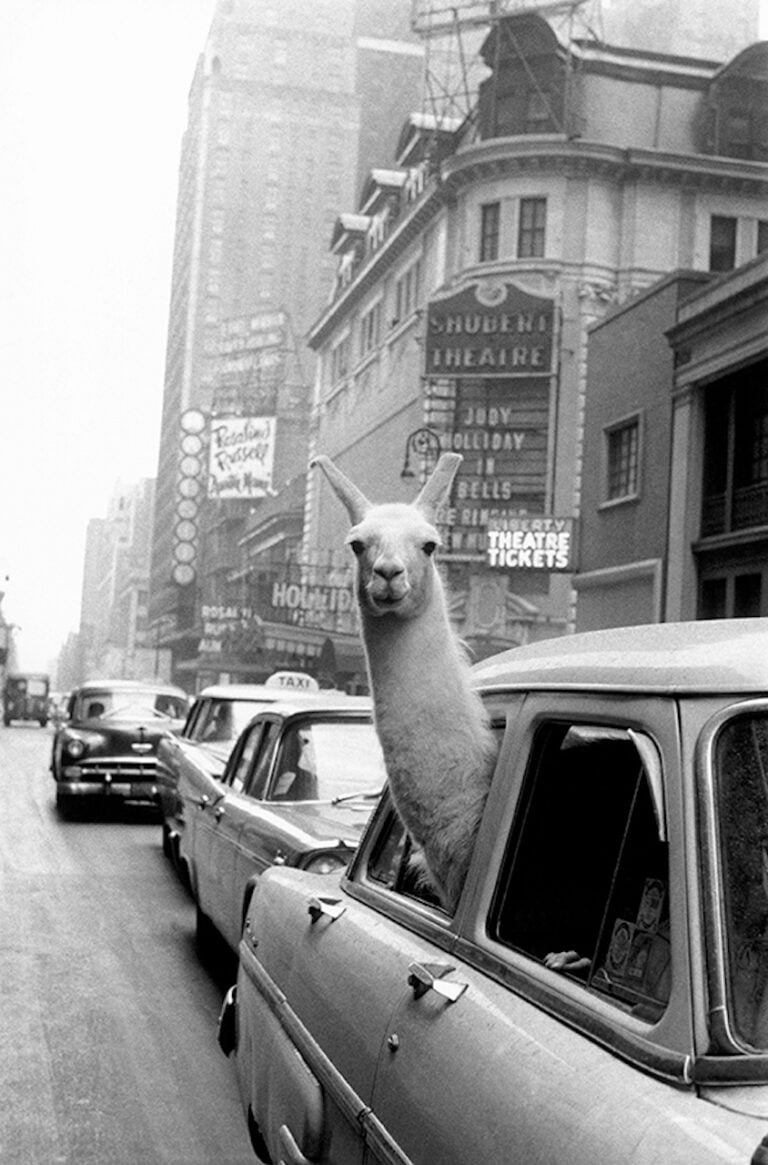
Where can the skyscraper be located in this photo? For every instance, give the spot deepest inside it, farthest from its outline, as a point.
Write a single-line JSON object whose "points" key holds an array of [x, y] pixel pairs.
{"points": [[281, 129]]}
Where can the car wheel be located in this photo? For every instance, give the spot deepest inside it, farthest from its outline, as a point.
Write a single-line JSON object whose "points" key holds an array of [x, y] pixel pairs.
{"points": [[167, 843], [206, 935]]}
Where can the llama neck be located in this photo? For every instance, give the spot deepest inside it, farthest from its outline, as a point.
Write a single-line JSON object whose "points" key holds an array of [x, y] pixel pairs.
{"points": [[415, 662]]}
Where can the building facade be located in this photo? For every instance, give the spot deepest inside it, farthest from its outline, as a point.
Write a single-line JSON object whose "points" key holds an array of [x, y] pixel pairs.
{"points": [[271, 153], [470, 275]]}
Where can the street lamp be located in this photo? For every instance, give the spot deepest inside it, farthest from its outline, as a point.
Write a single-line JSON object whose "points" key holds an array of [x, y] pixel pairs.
{"points": [[423, 443]]}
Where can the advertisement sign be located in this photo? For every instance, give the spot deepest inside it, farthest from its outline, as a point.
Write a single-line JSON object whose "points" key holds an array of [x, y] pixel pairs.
{"points": [[489, 329], [543, 543], [242, 452]]}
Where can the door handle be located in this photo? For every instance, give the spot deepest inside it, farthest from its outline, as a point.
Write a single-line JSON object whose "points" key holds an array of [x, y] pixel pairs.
{"points": [[204, 800], [424, 977], [290, 1153], [332, 908], [218, 812]]}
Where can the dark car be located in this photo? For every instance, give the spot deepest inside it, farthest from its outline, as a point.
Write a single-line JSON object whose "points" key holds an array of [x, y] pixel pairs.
{"points": [[297, 790], [107, 749]]}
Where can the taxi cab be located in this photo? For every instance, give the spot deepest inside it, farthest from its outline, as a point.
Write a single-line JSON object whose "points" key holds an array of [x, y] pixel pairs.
{"points": [[600, 993], [297, 790]]}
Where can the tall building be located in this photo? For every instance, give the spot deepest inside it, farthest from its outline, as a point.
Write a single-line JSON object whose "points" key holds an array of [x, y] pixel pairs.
{"points": [[282, 116]]}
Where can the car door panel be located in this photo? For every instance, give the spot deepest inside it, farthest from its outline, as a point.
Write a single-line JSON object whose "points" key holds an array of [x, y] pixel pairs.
{"points": [[341, 985]]}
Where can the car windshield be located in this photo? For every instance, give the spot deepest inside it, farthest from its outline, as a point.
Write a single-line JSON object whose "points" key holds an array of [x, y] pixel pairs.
{"points": [[113, 704], [741, 772], [326, 760], [224, 720]]}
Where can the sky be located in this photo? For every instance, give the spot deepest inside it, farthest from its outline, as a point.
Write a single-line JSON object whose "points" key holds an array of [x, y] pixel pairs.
{"points": [[93, 105]]}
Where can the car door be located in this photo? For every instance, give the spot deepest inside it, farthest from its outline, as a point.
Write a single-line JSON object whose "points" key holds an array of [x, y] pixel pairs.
{"points": [[569, 989], [341, 978], [232, 825], [216, 827]]}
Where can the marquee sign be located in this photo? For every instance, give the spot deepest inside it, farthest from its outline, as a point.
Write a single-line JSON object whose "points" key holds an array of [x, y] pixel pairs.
{"points": [[489, 329]]}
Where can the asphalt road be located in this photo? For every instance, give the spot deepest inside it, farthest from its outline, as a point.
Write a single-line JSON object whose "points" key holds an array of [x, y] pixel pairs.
{"points": [[108, 1052]]}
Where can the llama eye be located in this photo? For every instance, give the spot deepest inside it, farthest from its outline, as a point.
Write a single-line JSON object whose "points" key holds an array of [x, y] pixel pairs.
{"points": [[429, 548], [357, 546]]}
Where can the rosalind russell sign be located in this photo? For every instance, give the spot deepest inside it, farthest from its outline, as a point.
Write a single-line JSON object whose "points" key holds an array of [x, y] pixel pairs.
{"points": [[489, 330]]}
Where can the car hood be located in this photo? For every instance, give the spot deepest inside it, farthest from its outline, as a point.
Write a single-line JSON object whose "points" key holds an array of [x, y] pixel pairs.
{"points": [[324, 821]]}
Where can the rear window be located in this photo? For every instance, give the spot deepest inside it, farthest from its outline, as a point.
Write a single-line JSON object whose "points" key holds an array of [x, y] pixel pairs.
{"points": [[741, 781], [111, 703], [223, 720]]}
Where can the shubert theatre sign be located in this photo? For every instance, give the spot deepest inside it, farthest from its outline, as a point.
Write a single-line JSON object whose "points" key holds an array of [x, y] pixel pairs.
{"points": [[489, 329]]}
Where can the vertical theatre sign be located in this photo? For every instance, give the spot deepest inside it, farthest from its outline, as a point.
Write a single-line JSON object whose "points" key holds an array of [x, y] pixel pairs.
{"points": [[495, 341]]}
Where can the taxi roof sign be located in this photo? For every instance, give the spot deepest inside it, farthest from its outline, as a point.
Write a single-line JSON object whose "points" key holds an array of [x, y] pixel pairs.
{"points": [[297, 681]]}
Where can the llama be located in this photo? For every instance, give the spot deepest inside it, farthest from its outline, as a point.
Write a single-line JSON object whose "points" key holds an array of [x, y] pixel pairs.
{"points": [[435, 736]]}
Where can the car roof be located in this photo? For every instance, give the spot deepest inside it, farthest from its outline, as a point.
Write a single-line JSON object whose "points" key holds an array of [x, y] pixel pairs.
{"points": [[320, 702], [719, 655], [130, 686], [241, 692]]}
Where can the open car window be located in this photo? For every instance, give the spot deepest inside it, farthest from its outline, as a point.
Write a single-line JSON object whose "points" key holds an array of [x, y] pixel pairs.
{"points": [[584, 888], [395, 865]]}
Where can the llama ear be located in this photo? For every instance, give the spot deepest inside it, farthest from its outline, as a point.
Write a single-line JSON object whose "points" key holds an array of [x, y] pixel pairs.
{"points": [[349, 495], [437, 487]]}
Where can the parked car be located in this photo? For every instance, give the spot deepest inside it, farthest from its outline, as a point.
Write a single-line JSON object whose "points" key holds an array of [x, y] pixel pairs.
{"points": [[107, 749], [601, 992], [215, 720], [297, 790]]}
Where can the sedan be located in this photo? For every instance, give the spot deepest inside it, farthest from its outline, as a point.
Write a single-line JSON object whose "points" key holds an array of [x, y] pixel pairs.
{"points": [[297, 790], [107, 749], [600, 992]]}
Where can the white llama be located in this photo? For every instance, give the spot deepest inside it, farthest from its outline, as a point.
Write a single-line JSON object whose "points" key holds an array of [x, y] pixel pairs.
{"points": [[434, 732]]}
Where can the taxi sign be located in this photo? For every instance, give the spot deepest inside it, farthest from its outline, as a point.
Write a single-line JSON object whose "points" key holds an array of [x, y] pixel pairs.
{"points": [[297, 681]]}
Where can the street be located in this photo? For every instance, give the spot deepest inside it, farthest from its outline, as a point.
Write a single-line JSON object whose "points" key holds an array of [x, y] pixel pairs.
{"points": [[108, 1049]]}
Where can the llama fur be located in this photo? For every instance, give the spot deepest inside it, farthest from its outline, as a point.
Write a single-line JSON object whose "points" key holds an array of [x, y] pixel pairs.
{"points": [[437, 743]]}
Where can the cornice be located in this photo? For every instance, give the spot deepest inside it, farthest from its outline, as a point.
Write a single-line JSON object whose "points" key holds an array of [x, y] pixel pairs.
{"points": [[507, 157]]}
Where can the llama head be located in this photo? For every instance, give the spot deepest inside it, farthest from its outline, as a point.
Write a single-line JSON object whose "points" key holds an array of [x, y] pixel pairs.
{"points": [[394, 543]]}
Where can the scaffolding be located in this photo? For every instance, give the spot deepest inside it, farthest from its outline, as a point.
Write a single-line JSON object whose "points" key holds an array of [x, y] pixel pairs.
{"points": [[454, 32]]}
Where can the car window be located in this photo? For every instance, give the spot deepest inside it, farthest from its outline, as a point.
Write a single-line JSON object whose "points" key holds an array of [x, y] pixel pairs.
{"points": [[115, 704], [321, 760], [195, 719], [243, 757], [257, 782], [394, 865], [584, 887], [741, 780]]}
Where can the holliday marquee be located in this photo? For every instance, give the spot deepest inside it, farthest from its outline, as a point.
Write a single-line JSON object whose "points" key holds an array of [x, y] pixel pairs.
{"points": [[489, 330]]}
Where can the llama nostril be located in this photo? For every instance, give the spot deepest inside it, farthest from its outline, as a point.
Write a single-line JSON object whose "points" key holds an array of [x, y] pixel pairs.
{"points": [[388, 570]]}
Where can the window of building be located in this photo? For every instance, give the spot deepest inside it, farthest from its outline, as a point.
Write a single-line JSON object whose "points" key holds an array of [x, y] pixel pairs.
{"points": [[407, 291], [532, 228], [722, 243], [623, 460], [762, 235], [538, 116], [340, 360], [370, 329], [490, 221], [735, 478], [584, 888]]}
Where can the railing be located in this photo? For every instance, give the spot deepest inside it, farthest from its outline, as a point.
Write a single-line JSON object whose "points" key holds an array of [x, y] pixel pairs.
{"points": [[749, 507]]}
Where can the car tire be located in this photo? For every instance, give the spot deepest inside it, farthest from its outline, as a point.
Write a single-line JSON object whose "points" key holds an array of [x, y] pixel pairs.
{"points": [[167, 843], [206, 936]]}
